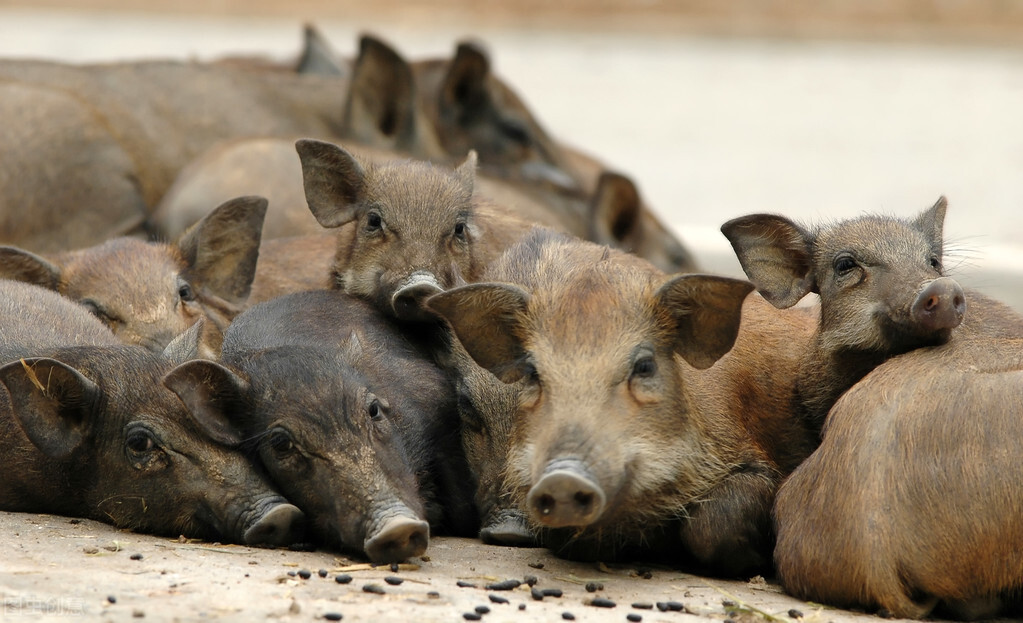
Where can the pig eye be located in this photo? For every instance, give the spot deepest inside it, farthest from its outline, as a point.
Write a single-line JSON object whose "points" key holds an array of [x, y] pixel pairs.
{"points": [[140, 441], [460, 231], [374, 222], [844, 264], [280, 442], [936, 264], [377, 409], [644, 367], [185, 292]]}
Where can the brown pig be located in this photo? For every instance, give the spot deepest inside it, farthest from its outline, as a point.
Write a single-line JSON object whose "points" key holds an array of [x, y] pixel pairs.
{"points": [[147, 292], [881, 284], [87, 429], [911, 504], [648, 423]]}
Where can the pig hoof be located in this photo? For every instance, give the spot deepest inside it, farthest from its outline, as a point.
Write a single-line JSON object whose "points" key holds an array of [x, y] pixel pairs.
{"points": [[398, 539], [281, 525], [565, 498], [511, 530]]}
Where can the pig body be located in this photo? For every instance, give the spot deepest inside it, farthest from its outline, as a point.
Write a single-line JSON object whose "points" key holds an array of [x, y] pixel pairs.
{"points": [[637, 444], [353, 423], [87, 429], [911, 503], [147, 292]]}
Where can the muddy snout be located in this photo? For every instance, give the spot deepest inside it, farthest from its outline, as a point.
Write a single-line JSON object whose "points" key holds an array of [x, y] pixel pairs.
{"points": [[940, 305], [281, 524], [407, 301], [566, 495], [397, 539]]}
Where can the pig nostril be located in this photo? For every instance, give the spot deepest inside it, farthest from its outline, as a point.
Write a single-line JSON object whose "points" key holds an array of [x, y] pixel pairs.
{"points": [[932, 302], [545, 504], [584, 501]]}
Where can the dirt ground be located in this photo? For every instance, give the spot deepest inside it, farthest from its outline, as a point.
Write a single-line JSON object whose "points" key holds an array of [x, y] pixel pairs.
{"points": [[58, 568]]}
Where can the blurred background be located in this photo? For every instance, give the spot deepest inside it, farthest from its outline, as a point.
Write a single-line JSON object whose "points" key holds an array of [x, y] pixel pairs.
{"points": [[816, 109]]}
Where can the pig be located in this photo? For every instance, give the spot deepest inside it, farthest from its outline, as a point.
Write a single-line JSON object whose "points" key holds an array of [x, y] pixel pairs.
{"points": [[648, 424], [119, 133], [353, 423], [88, 429], [146, 292], [910, 506], [408, 229], [882, 291]]}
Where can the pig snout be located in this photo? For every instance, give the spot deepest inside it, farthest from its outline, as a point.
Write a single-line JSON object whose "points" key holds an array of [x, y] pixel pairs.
{"points": [[566, 496], [279, 523], [407, 300], [940, 305], [507, 527], [398, 538]]}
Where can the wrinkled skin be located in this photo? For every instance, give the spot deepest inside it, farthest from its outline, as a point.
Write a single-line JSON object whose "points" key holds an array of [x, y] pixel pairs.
{"points": [[640, 445], [147, 293], [368, 454], [881, 284], [910, 505], [88, 429]]}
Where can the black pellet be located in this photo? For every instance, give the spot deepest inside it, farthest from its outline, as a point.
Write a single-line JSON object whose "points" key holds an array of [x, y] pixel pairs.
{"points": [[568, 616], [635, 618], [433, 595], [332, 616], [593, 587], [373, 588], [497, 599], [305, 574], [795, 614], [136, 556], [662, 606], [302, 547], [552, 592], [536, 593], [536, 565], [394, 580], [531, 580], [292, 574], [728, 603], [394, 567], [464, 584], [642, 605], [343, 578], [111, 599], [522, 606], [482, 609], [676, 606], [472, 616], [504, 585], [322, 573], [600, 602]]}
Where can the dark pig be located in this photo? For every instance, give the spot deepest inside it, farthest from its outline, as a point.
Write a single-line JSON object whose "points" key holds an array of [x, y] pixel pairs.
{"points": [[666, 439], [146, 292], [881, 284], [353, 423], [87, 429]]}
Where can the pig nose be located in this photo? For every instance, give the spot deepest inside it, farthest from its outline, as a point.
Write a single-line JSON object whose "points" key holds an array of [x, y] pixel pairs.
{"points": [[566, 496], [399, 538], [509, 528], [940, 305], [283, 524], [407, 301]]}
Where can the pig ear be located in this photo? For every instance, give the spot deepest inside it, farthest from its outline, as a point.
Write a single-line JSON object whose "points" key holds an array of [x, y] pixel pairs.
{"points": [[334, 182], [706, 312], [203, 340], [466, 172], [775, 255], [21, 265], [318, 56], [932, 222], [614, 210], [221, 249], [52, 402], [464, 90], [484, 317], [213, 395], [380, 106]]}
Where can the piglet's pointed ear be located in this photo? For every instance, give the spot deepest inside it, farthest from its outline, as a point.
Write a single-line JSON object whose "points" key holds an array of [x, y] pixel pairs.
{"points": [[466, 172], [705, 311], [775, 255], [334, 182], [931, 222], [213, 395], [21, 265], [52, 402]]}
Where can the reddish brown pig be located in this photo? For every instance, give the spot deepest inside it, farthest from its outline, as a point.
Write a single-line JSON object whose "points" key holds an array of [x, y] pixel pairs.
{"points": [[881, 284], [648, 423], [911, 504], [147, 292], [87, 429]]}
